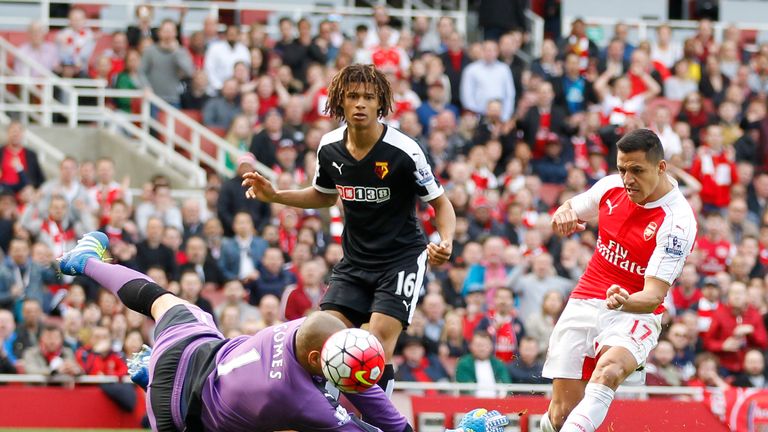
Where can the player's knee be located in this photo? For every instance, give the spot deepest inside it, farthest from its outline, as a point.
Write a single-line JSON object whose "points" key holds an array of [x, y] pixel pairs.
{"points": [[610, 373]]}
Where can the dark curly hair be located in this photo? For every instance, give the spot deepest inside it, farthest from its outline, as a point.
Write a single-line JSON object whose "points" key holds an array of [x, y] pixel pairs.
{"points": [[358, 74]]}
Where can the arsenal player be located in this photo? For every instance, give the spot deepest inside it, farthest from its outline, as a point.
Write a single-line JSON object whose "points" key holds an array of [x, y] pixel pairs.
{"points": [[613, 318]]}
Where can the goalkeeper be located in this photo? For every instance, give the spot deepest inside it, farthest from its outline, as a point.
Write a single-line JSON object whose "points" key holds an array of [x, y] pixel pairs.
{"points": [[197, 380]]}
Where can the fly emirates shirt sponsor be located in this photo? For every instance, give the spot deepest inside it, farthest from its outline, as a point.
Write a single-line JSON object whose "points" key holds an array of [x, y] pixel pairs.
{"points": [[634, 241]]}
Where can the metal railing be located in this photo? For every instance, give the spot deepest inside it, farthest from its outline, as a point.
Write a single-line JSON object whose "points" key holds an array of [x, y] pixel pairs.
{"points": [[294, 10], [41, 98], [449, 387]]}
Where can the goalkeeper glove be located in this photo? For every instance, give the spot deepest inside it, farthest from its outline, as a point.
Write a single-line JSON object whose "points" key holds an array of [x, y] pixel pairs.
{"points": [[481, 420], [138, 367]]}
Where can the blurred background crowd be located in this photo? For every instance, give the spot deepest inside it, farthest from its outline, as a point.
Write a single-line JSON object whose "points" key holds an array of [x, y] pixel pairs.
{"points": [[508, 136]]}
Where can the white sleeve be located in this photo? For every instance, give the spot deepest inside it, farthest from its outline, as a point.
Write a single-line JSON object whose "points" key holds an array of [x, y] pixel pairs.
{"points": [[674, 242], [587, 204]]}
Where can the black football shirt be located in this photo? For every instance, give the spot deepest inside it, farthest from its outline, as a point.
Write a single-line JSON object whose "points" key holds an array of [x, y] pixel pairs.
{"points": [[379, 195]]}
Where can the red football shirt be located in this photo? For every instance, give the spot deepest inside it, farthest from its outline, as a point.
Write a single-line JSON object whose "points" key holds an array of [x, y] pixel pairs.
{"points": [[634, 241]]}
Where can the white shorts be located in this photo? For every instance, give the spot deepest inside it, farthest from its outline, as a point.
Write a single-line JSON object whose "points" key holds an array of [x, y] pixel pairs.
{"points": [[586, 326]]}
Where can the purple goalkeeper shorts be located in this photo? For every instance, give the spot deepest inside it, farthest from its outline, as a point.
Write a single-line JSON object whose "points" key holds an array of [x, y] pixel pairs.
{"points": [[184, 334]]}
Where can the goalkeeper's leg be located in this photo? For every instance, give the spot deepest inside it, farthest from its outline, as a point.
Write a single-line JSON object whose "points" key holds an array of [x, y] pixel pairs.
{"points": [[136, 290]]}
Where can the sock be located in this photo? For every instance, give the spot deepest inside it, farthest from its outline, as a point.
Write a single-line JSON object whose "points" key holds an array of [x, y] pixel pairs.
{"points": [[136, 290], [546, 424], [591, 411], [387, 381], [111, 276]]}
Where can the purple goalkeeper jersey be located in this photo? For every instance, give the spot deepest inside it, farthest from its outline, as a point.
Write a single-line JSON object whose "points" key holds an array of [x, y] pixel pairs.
{"points": [[258, 385]]}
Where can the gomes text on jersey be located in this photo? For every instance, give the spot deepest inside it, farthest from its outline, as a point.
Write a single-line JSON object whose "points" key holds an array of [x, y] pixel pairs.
{"points": [[379, 195], [634, 241]]}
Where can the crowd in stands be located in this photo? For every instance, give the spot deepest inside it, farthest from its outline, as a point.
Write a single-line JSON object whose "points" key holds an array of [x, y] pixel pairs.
{"points": [[508, 138]]}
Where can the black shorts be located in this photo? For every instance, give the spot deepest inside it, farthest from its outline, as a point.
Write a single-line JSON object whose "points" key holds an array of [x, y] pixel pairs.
{"points": [[394, 291], [186, 342]]}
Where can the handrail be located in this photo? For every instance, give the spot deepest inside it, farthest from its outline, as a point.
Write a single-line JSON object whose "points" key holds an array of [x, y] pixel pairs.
{"points": [[399, 385], [213, 7], [540, 388]]}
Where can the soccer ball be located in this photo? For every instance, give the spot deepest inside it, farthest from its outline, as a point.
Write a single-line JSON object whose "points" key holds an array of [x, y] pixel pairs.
{"points": [[353, 360]]}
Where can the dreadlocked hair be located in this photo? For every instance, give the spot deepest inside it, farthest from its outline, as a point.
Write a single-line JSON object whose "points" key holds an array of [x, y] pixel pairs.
{"points": [[353, 75]]}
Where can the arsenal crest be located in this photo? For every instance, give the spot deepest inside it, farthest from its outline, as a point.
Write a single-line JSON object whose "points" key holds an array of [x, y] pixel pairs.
{"points": [[650, 231], [381, 169]]}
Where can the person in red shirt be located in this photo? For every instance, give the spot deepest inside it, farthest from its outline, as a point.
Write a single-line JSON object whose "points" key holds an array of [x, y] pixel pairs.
{"points": [[686, 293], [646, 230], [98, 358], [503, 325], [714, 246], [736, 327], [303, 297], [15, 158], [715, 169]]}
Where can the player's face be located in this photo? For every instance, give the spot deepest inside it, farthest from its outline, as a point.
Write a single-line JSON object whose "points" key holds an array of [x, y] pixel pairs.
{"points": [[640, 176], [361, 105]]}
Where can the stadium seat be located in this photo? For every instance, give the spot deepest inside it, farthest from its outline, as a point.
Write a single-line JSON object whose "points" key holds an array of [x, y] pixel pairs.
{"points": [[248, 17], [550, 192]]}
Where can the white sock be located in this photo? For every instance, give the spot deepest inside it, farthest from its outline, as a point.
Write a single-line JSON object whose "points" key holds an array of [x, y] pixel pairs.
{"points": [[591, 411], [546, 424]]}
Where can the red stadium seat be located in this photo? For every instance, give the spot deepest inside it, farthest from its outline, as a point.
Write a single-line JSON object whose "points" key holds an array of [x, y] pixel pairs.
{"points": [[248, 17], [550, 192]]}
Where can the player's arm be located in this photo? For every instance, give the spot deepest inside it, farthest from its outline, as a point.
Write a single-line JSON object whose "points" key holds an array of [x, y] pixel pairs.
{"points": [[260, 188], [376, 408], [445, 221], [569, 218], [646, 301], [565, 220]]}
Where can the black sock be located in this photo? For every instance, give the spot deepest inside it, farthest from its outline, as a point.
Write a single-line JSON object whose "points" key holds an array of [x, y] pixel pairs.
{"points": [[387, 381]]}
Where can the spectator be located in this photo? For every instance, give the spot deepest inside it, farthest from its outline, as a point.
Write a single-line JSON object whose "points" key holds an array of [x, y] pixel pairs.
{"points": [[58, 226], [753, 374], [381, 18], [241, 253], [715, 169], [614, 61], [573, 92], [18, 164], [304, 296], [455, 60], [106, 190], [190, 286], [10, 351], [234, 296], [76, 42], [453, 345], [191, 218], [481, 367], [526, 368], [272, 277], [418, 365], [578, 42], [707, 304], [530, 288], [502, 325], [670, 140], [72, 327], [195, 95], [739, 224], [492, 273], [685, 292], [239, 136], [30, 279], [51, 357], [269, 307], [618, 103], [222, 55], [39, 50], [735, 327], [488, 79], [219, 111], [300, 53], [161, 206], [661, 369], [665, 49], [97, 357], [165, 64], [66, 184], [199, 260], [433, 306], [435, 103], [715, 248], [232, 199], [707, 374], [142, 30], [128, 79], [120, 228], [265, 144], [696, 115], [548, 66], [151, 251], [539, 325], [679, 85]]}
